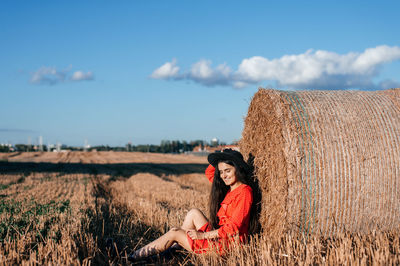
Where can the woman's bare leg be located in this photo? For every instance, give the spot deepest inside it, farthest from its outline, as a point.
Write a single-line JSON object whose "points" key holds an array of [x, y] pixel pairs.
{"points": [[175, 235], [194, 219]]}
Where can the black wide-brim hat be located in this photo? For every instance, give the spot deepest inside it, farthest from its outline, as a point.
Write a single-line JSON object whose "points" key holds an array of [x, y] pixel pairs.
{"points": [[227, 154]]}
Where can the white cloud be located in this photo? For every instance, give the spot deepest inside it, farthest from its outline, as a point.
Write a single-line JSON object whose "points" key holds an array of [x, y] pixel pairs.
{"points": [[51, 76], [312, 69], [80, 75], [48, 76], [376, 56], [166, 71], [203, 73], [202, 70], [319, 69]]}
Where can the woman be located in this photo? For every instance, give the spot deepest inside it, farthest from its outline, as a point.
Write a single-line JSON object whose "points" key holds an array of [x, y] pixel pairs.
{"points": [[231, 206]]}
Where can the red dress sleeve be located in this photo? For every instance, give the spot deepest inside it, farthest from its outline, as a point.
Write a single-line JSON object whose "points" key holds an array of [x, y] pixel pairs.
{"points": [[238, 215], [210, 170]]}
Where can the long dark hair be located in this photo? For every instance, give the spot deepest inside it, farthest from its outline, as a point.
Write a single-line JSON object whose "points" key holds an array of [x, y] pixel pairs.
{"points": [[219, 191]]}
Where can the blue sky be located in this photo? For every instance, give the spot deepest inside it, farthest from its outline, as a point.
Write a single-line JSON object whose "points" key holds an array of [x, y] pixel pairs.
{"points": [[143, 71]]}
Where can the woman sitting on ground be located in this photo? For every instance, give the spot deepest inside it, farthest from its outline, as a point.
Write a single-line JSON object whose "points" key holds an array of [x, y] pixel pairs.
{"points": [[232, 212]]}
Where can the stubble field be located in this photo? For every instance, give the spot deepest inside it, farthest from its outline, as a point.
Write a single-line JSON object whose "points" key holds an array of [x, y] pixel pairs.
{"points": [[60, 208]]}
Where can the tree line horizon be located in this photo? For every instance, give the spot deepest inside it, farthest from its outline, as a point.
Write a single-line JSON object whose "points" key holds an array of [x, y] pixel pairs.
{"points": [[166, 146]]}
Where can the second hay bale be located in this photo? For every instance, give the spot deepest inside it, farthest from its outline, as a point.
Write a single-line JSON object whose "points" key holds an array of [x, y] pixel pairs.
{"points": [[327, 161]]}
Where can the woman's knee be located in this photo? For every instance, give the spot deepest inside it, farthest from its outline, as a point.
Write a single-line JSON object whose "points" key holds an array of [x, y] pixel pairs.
{"points": [[197, 218], [175, 232], [194, 212], [173, 229]]}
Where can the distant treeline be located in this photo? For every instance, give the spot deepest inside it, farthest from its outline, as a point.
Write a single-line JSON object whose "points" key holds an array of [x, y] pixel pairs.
{"points": [[166, 146]]}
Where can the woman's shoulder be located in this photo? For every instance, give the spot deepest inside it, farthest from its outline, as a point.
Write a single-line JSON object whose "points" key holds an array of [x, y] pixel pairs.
{"points": [[246, 188], [243, 193], [243, 189]]}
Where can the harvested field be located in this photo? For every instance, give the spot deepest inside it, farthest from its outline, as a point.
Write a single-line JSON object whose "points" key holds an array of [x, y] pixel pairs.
{"points": [[60, 208], [328, 161]]}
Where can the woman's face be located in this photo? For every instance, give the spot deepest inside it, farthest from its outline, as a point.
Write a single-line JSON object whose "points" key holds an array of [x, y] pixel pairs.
{"points": [[228, 173]]}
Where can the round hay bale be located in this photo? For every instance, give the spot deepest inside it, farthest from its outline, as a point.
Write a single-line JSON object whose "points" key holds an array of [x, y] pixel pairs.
{"points": [[327, 161]]}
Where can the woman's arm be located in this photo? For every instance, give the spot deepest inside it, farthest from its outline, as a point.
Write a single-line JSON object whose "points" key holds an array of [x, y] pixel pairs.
{"points": [[210, 170], [202, 235], [211, 234]]}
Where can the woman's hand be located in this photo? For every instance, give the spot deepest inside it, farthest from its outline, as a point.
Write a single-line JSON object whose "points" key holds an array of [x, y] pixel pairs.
{"points": [[195, 234]]}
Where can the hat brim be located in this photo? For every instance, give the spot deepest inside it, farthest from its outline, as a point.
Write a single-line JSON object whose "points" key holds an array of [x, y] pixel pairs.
{"points": [[216, 157]]}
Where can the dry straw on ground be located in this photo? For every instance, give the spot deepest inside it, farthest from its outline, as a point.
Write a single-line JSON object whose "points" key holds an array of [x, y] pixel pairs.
{"points": [[327, 161], [61, 208]]}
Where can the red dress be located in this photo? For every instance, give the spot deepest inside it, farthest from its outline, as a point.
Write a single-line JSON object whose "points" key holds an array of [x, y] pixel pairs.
{"points": [[234, 217]]}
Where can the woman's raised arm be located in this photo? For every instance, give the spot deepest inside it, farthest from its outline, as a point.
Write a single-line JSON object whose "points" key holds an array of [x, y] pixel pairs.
{"points": [[210, 170]]}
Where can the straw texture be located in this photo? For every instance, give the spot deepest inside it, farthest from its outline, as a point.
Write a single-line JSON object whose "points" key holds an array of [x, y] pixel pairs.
{"points": [[327, 161]]}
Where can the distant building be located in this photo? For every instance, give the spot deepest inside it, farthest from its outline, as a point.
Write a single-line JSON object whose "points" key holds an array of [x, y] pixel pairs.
{"points": [[209, 149], [214, 142]]}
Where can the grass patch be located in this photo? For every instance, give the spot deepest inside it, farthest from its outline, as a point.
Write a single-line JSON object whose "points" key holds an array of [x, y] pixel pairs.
{"points": [[4, 186], [18, 218]]}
